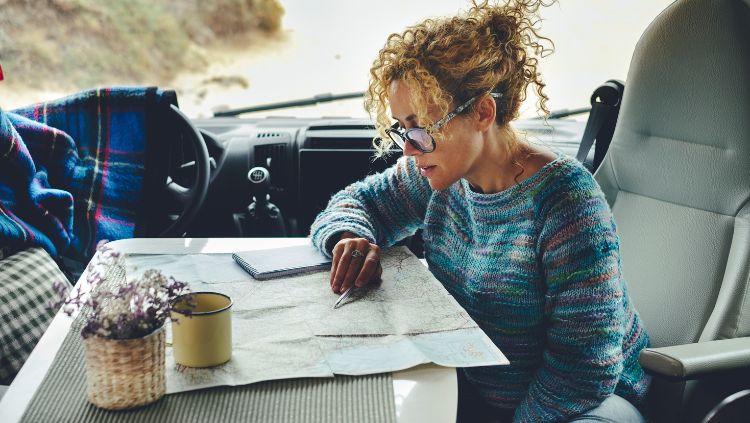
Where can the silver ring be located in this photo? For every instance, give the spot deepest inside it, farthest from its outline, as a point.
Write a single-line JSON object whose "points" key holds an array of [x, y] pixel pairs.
{"points": [[357, 253]]}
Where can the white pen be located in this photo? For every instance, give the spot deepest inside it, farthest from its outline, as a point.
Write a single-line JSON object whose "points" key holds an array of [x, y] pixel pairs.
{"points": [[343, 296]]}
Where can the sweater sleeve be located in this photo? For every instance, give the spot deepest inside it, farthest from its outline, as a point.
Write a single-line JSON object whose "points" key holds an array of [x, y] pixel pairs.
{"points": [[579, 252], [383, 208]]}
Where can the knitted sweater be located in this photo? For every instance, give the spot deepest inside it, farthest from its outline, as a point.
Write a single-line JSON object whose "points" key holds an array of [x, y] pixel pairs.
{"points": [[537, 266]]}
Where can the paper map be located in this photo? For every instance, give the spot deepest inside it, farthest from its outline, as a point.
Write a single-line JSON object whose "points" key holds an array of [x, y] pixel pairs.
{"points": [[286, 327]]}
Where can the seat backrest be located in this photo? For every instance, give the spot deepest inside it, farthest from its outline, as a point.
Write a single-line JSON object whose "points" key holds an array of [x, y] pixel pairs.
{"points": [[677, 174]]}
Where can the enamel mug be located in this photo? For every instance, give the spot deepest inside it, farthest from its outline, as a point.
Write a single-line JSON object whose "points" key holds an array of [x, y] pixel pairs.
{"points": [[202, 329]]}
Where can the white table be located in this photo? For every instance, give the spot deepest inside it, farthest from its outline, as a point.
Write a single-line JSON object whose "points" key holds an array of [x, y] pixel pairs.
{"points": [[423, 394]]}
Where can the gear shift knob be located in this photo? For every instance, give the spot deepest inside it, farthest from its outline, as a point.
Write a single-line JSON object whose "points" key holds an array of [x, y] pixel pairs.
{"points": [[260, 183], [259, 176]]}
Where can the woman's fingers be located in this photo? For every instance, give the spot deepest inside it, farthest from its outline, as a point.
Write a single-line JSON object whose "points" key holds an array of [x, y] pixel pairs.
{"points": [[349, 262], [356, 261], [369, 268], [343, 264], [338, 250]]}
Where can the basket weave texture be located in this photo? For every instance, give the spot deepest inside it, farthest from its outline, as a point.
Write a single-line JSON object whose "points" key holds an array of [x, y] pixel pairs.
{"points": [[125, 373]]}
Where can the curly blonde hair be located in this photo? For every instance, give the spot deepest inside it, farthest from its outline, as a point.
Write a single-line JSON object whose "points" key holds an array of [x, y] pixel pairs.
{"points": [[490, 48]]}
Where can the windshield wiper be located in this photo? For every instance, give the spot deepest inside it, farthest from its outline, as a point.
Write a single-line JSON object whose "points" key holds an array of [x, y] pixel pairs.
{"points": [[320, 98], [328, 97]]}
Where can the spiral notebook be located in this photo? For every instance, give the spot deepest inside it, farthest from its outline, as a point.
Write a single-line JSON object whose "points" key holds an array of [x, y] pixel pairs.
{"points": [[277, 262]]}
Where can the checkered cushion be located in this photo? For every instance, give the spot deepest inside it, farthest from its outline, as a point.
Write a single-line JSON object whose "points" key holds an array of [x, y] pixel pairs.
{"points": [[26, 280]]}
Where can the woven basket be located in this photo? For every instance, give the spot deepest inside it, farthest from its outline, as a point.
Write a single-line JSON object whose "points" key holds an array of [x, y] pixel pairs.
{"points": [[125, 373]]}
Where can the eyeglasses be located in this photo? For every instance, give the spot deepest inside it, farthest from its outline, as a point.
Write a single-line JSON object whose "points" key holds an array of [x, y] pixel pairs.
{"points": [[420, 138]]}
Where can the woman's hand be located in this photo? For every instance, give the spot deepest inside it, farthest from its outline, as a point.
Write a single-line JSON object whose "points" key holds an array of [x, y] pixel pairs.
{"points": [[355, 262]]}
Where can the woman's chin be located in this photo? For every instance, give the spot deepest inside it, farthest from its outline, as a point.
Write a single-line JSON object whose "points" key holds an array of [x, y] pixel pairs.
{"points": [[438, 184]]}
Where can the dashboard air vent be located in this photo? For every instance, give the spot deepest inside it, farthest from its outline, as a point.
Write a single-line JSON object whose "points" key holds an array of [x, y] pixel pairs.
{"points": [[264, 135], [274, 157]]}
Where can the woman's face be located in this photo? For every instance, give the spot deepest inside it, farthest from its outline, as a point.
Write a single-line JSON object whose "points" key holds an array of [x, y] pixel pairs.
{"points": [[454, 155]]}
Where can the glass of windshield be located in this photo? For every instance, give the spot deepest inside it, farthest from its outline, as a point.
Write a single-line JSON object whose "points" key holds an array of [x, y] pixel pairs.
{"points": [[223, 54]]}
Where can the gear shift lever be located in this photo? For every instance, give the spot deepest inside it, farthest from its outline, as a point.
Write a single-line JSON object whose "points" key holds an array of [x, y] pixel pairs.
{"points": [[262, 218], [260, 185]]}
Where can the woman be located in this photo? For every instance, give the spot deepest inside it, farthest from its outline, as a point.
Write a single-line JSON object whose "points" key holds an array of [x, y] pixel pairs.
{"points": [[522, 237]]}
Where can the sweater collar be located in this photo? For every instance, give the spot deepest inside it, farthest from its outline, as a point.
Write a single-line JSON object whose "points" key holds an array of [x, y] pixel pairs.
{"points": [[516, 192]]}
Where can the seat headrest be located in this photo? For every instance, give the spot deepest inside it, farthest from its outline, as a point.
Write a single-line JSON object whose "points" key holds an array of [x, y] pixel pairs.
{"points": [[686, 109]]}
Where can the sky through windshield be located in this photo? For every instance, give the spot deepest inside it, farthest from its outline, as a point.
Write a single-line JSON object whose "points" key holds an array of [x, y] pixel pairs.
{"points": [[330, 45]]}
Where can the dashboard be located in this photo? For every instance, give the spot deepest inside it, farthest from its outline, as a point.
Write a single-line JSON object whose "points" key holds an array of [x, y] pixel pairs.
{"points": [[308, 160]]}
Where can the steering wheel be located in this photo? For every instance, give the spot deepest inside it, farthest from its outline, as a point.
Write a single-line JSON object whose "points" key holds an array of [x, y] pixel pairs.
{"points": [[190, 199]]}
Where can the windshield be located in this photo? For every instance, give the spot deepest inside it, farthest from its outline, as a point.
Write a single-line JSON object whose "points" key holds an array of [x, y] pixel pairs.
{"points": [[219, 55]]}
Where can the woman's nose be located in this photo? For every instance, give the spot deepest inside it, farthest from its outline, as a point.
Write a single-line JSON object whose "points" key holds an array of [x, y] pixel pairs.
{"points": [[410, 150]]}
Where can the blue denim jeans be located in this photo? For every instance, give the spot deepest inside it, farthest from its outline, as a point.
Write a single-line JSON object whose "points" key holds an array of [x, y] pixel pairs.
{"points": [[472, 409], [614, 409]]}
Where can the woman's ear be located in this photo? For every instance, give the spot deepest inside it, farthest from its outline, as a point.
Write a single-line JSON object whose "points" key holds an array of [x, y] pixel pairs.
{"points": [[486, 111]]}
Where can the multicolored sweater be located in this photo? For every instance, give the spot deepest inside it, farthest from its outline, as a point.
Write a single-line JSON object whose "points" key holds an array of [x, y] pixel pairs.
{"points": [[538, 268]]}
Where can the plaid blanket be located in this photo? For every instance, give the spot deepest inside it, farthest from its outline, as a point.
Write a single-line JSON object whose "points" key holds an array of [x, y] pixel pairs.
{"points": [[72, 170]]}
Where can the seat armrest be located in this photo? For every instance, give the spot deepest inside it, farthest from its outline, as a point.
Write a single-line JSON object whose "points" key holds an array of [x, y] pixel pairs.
{"points": [[690, 361]]}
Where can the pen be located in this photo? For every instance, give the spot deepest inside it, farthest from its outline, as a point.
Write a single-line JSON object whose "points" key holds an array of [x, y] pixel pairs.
{"points": [[343, 296]]}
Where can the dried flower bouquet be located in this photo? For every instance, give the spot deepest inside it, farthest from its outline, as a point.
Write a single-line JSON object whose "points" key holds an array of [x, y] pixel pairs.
{"points": [[126, 311], [124, 335]]}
